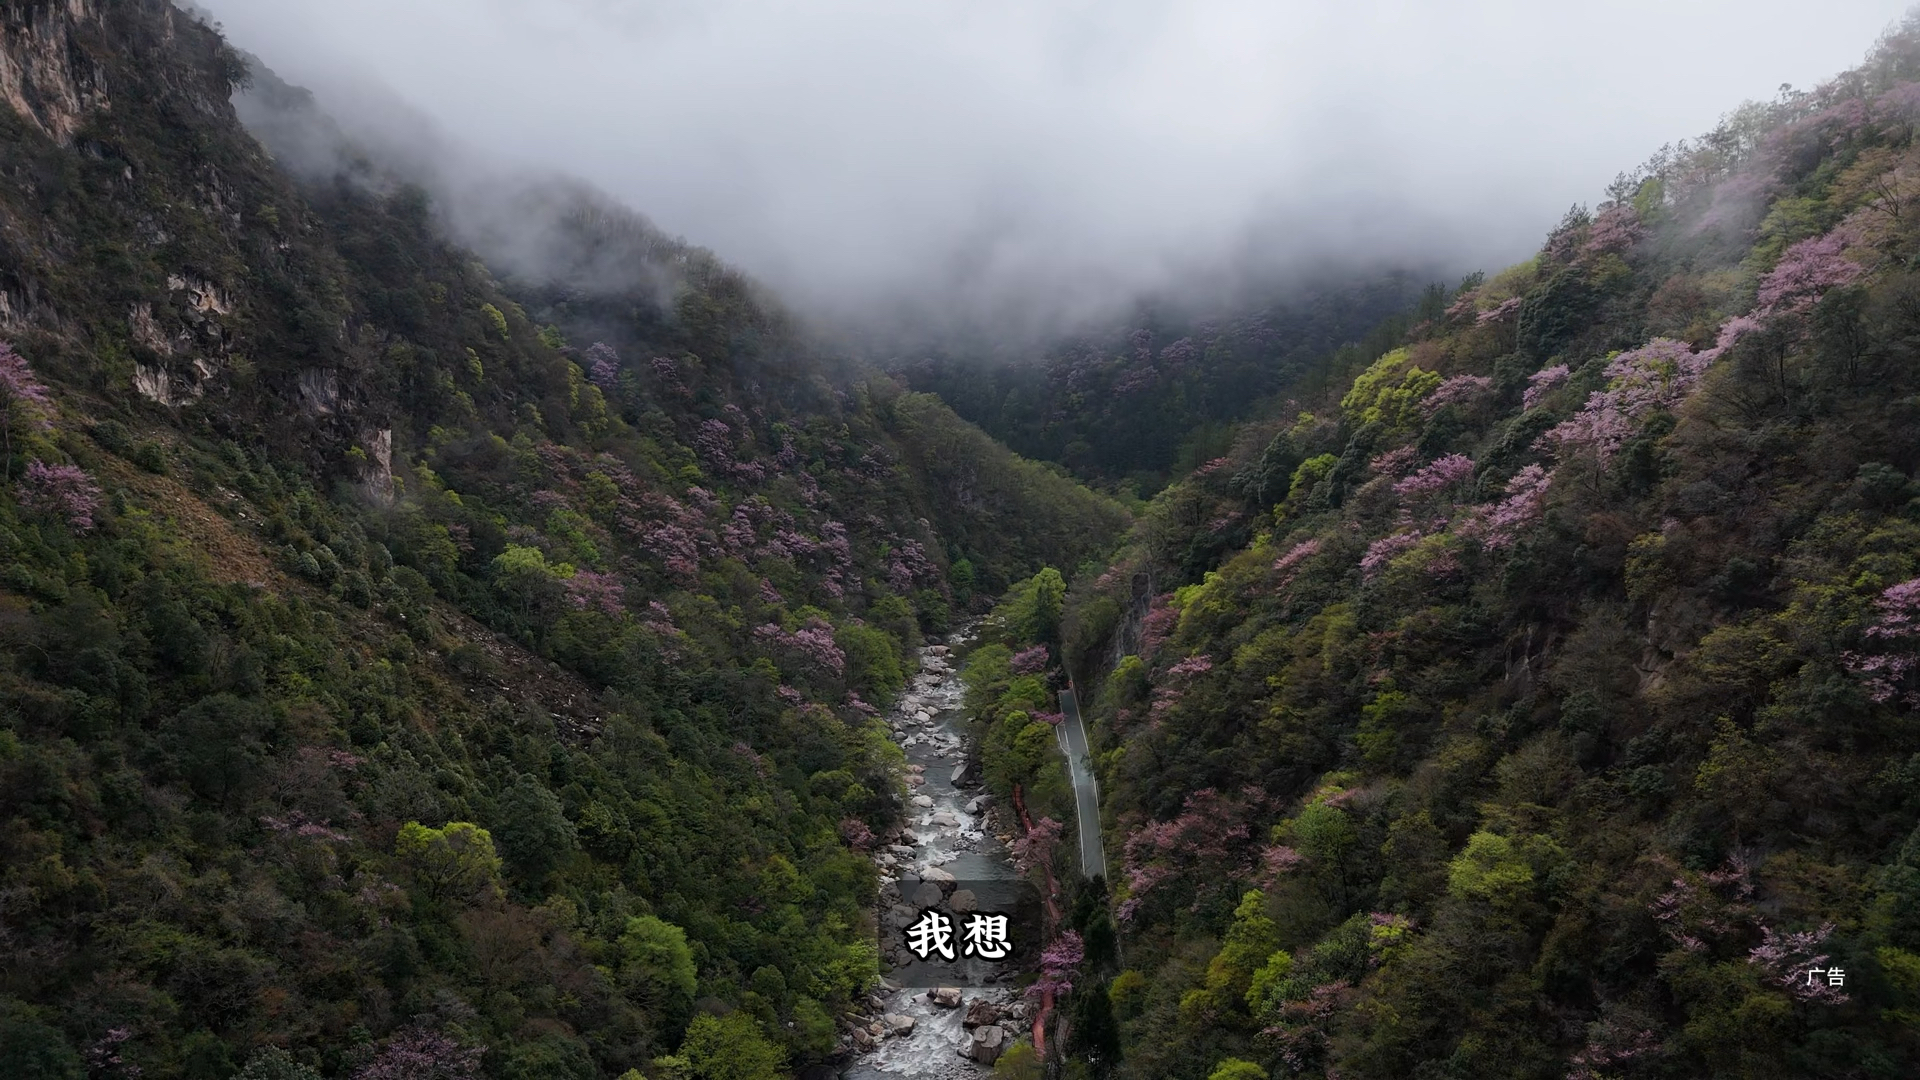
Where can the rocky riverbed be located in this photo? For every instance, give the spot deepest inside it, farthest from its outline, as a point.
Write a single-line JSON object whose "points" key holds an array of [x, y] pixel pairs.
{"points": [[951, 836]]}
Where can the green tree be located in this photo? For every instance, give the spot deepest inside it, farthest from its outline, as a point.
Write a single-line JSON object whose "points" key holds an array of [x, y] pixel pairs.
{"points": [[1236, 1069], [455, 862], [533, 833], [31, 1050], [657, 962], [731, 1047]]}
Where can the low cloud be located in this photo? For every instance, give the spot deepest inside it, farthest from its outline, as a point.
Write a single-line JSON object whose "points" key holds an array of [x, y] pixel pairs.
{"points": [[1045, 159]]}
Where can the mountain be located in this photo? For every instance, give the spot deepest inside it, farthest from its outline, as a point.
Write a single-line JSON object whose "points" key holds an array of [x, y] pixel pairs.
{"points": [[1139, 403], [412, 666], [1538, 701]]}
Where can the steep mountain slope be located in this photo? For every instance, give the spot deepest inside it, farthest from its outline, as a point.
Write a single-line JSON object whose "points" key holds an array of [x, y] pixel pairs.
{"points": [[1129, 406], [1540, 703], [389, 681]]}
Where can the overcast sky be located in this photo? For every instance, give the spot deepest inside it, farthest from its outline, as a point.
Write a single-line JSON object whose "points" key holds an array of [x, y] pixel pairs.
{"points": [[854, 151]]}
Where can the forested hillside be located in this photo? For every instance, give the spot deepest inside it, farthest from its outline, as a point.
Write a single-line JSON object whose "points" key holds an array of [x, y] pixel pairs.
{"points": [[410, 674], [1539, 702], [1143, 403]]}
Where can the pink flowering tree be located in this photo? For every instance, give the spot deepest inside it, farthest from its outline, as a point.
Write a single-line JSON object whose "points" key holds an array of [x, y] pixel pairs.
{"points": [[1029, 661], [1653, 378], [1804, 273], [1059, 965], [420, 1054], [24, 400], [66, 492], [1386, 549], [1288, 565], [1205, 848], [1435, 477], [1499, 525], [591, 591], [1887, 664], [603, 365], [1460, 390], [1543, 382]]}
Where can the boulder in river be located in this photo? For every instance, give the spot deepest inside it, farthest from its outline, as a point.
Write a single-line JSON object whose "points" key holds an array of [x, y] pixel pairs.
{"points": [[978, 803], [923, 801], [989, 1041], [981, 1011], [922, 716], [899, 1023], [962, 771], [964, 902], [926, 895], [947, 997], [937, 876], [946, 818]]}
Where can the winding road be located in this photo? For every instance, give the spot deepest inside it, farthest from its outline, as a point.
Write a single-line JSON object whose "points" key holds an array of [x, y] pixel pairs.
{"points": [[1086, 790]]}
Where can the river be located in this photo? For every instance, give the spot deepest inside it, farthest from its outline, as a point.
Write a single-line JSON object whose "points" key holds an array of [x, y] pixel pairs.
{"points": [[946, 836]]}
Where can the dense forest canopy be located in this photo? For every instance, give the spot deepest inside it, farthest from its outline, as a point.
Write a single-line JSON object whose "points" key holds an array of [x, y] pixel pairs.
{"points": [[1538, 701]]}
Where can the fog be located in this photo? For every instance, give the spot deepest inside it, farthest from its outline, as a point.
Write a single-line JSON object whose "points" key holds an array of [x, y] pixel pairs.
{"points": [[999, 158]]}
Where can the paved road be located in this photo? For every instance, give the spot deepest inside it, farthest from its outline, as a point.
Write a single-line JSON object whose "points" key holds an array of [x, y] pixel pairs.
{"points": [[1086, 790]]}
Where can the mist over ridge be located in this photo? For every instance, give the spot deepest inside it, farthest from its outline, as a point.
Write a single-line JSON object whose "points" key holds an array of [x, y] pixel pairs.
{"points": [[1025, 167]]}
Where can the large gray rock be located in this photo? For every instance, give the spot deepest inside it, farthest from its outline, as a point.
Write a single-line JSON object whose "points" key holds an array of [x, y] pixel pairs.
{"points": [[947, 997], [937, 876], [961, 772], [925, 896], [964, 902], [899, 1023], [989, 1042], [923, 801]]}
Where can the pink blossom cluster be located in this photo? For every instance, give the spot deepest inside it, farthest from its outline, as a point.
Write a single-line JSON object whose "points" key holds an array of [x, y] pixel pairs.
{"points": [[1896, 629], [812, 644], [1543, 382], [1288, 565], [908, 565], [1615, 230], [1035, 846], [1805, 272], [1161, 618], [1384, 550], [1190, 667], [1435, 477], [1501, 312], [1029, 661], [1059, 963], [421, 1054], [1790, 960], [299, 824], [21, 392], [1457, 390], [63, 491], [1499, 525], [1209, 836], [1611, 1043], [856, 833], [1395, 462], [1655, 377], [590, 590], [603, 365], [1278, 859]]}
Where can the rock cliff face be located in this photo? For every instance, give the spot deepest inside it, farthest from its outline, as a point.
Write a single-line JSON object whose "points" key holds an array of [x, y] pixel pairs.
{"points": [[48, 77]]}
